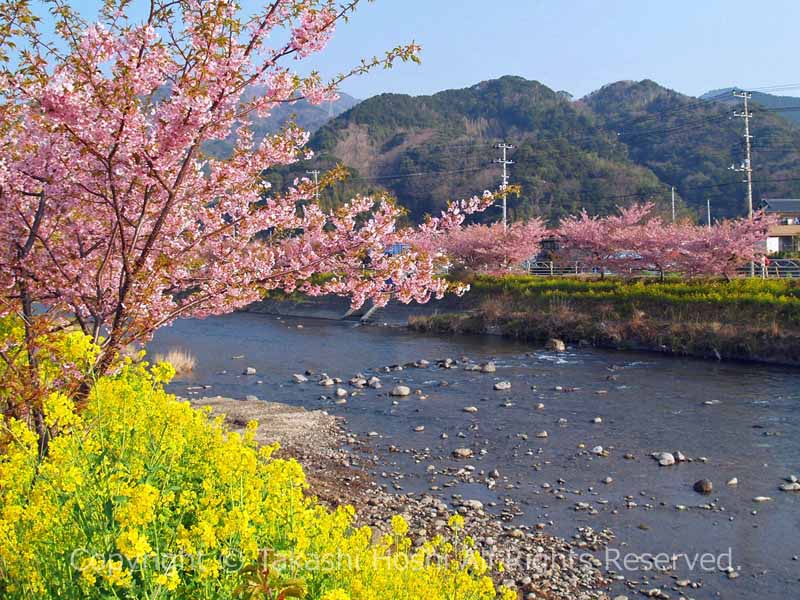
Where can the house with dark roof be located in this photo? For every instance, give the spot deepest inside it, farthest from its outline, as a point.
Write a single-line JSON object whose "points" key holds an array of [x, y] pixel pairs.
{"points": [[785, 236]]}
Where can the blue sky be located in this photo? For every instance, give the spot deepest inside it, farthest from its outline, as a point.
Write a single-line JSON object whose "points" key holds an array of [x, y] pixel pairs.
{"points": [[574, 45]]}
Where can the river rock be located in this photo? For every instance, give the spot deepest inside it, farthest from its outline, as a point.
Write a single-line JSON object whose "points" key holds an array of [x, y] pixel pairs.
{"points": [[703, 486], [502, 386], [470, 409], [542, 434], [374, 383], [341, 393], [249, 371], [401, 390], [251, 398], [556, 345], [473, 504], [463, 453], [419, 428], [733, 481], [326, 382], [790, 487], [761, 499], [488, 367], [358, 381], [298, 378], [665, 459]]}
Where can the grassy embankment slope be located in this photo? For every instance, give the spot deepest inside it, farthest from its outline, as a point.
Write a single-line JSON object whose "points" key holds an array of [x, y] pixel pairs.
{"points": [[749, 319]]}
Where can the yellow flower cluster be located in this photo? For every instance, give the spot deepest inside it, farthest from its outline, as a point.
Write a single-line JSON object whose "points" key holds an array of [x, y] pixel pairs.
{"points": [[142, 496]]}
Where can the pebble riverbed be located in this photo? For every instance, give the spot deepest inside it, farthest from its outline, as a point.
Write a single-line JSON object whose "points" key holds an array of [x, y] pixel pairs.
{"points": [[568, 444]]}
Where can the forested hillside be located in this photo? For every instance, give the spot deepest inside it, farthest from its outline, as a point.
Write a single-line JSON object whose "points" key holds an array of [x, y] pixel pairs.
{"points": [[628, 141]]}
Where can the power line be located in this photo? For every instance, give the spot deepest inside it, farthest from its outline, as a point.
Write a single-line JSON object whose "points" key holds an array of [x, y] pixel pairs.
{"points": [[423, 173]]}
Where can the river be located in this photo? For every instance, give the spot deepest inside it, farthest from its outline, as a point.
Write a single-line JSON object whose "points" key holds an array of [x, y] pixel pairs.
{"points": [[742, 419]]}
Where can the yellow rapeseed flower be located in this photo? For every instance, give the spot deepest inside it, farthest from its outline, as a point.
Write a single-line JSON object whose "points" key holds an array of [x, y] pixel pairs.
{"points": [[133, 544], [399, 525]]}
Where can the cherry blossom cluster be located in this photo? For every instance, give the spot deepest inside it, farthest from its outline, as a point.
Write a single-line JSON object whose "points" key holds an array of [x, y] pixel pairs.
{"points": [[112, 215]]}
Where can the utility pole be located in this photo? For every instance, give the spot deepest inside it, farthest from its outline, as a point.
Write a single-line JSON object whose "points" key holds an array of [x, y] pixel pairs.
{"points": [[673, 203], [708, 211], [505, 162], [315, 173], [747, 166]]}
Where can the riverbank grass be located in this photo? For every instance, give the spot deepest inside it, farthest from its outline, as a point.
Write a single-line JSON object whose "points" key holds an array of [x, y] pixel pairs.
{"points": [[750, 319]]}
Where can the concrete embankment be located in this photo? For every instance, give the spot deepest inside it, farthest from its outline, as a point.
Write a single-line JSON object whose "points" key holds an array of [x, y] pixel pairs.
{"points": [[336, 308]]}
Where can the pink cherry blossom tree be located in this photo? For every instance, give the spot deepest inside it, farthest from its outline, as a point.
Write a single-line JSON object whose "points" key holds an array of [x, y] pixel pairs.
{"points": [[718, 251], [604, 243], [488, 248], [114, 220]]}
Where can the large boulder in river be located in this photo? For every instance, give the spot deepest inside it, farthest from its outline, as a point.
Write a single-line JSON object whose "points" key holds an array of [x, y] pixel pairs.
{"points": [[556, 345], [401, 390]]}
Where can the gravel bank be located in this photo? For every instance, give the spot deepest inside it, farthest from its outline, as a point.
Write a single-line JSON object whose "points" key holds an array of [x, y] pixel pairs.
{"points": [[539, 565]]}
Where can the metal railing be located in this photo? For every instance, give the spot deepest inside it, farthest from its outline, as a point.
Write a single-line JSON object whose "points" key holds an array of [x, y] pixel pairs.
{"points": [[777, 267]]}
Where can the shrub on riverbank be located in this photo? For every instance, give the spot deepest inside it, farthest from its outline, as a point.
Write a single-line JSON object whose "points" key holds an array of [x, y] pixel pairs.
{"points": [[142, 496]]}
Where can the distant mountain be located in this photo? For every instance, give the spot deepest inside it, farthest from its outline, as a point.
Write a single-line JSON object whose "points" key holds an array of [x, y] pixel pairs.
{"points": [[308, 116], [627, 141], [429, 149], [785, 106]]}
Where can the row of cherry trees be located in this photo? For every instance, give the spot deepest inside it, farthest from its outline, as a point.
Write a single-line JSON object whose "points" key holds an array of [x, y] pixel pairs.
{"points": [[637, 240], [628, 243]]}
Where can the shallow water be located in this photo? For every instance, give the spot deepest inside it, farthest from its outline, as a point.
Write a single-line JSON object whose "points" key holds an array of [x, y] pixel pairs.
{"points": [[652, 403]]}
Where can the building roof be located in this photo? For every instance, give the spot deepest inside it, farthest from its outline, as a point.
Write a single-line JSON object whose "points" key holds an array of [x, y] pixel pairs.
{"points": [[782, 205]]}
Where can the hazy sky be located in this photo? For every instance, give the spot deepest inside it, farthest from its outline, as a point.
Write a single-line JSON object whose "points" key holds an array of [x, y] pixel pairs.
{"points": [[574, 45]]}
